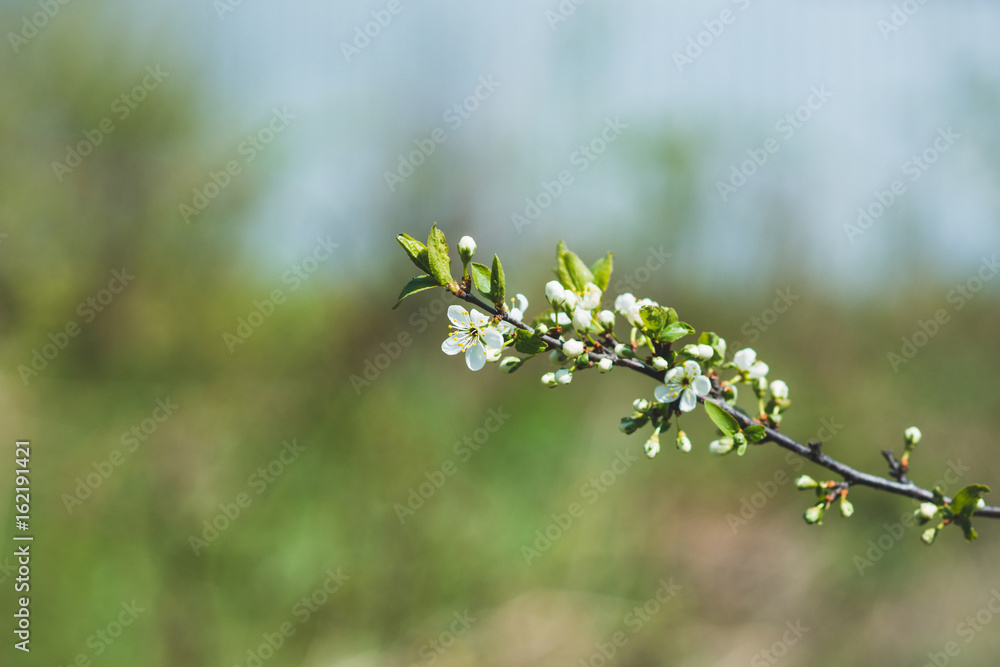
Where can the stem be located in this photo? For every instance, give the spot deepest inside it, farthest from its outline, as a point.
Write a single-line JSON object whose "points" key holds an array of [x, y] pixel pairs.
{"points": [[811, 452]]}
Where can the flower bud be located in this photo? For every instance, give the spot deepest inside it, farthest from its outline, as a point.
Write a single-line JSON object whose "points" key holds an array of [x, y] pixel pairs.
{"points": [[779, 390], [652, 446], [640, 404], [572, 348], [511, 364], [706, 352], [926, 511], [570, 299], [759, 387], [806, 482], [466, 248], [542, 328], [606, 319], [628, 426], [623, 351], [814, 514], [683, 442], [846, 507], [605, 365], [980, 504], [554, 292], [660, 364], [564, 376], [549, 379], [928, 535], [721, 446], [582, 319], [912, 435]]}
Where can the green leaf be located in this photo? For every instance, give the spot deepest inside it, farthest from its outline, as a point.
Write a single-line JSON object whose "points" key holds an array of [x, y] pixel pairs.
{"points": [[938, 496], [602, 271], [562, 270], [755, 433], [965, 501], [654, 318], [416, 251], [498, 284], [481, 277], [579, 274], [967, 529], [725, 421], [672, 316], [672, 332], [418, 284], [528, 343], [439, 257]]}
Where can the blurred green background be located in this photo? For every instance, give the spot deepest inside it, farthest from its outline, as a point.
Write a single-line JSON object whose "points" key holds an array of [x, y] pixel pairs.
{"points": [[300, 438]]}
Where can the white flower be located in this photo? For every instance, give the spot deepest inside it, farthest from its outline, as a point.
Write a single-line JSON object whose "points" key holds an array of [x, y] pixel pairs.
{"points": [[928, 535], [683, 442], [605, 365], [721, 446], [706, 352], [606, 318], [814, 514], [591, 297], [779, 390], [520, 303], [554, 292], [570, 299], [912, 435], [627, 306], [806, 482], [492, 355], [652, 446], [564, 376], [660, 364], [472, 335], [582, 319], [927, 510], [549, 379], [562, 319], [640, 404], [746, 361], [685, 382], [573, 348]]}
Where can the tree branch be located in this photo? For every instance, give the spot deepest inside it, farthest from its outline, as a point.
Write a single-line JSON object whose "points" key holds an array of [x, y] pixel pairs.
{"points": [[811, 452]]}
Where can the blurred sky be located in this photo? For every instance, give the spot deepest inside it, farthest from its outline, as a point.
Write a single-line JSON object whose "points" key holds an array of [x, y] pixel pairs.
{"points": [[891, 92]]}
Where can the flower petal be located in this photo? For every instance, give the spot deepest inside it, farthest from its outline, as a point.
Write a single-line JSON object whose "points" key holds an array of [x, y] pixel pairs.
{"points": [[478, 319], [744, 358], [758, 370], [701, 385], [662, 394], [521, 303], [688, 401], [475, 357], [459, 316], [492, 337], [691, 370], [451, 345], [674, 375]]}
